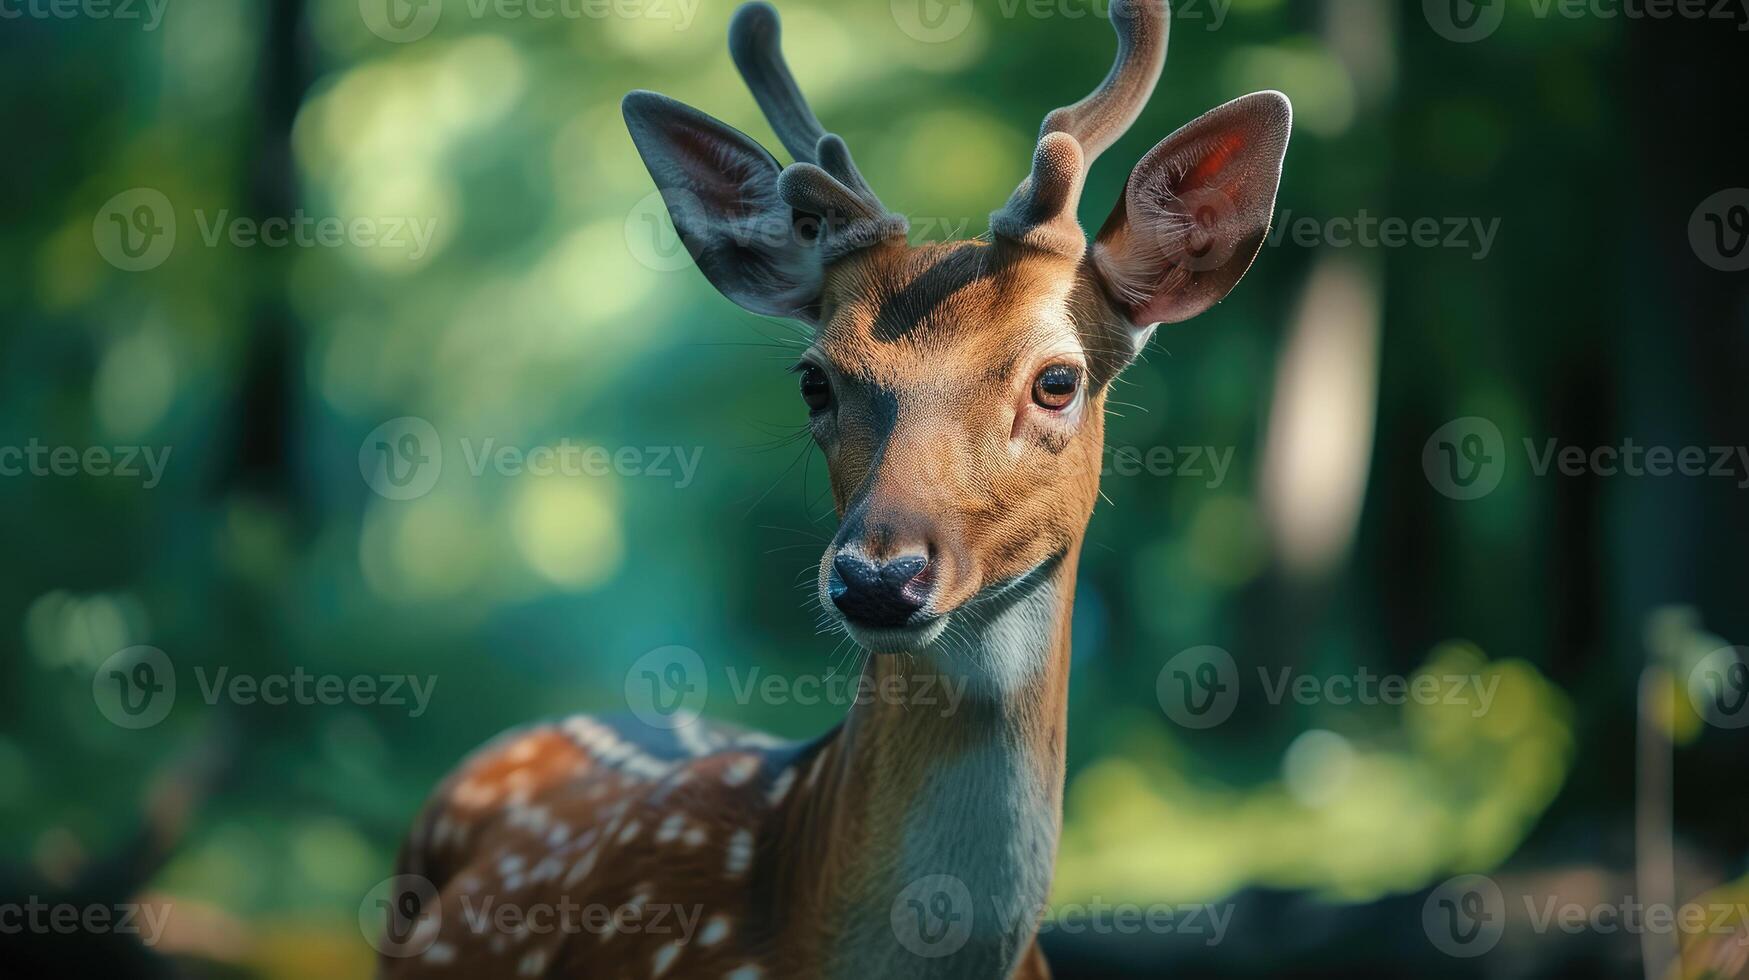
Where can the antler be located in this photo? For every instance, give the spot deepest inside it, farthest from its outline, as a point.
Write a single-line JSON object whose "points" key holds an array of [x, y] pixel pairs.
{"points": [[823, 181], [1042, 211]]}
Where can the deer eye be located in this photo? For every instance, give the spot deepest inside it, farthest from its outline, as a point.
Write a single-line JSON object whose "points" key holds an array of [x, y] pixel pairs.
{"points": [[816, 391], [1055, 386]]}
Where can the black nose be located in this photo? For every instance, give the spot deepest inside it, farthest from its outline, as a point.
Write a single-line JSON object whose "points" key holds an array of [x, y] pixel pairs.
{"points": [[880, 595]]}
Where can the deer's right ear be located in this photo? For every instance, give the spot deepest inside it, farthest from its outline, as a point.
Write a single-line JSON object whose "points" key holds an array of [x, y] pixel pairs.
{"points": [[1195, 212], [720, 188]]}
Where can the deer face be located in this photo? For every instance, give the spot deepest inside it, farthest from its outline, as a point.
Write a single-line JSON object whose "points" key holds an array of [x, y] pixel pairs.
{"points": [[957, 390], [953, 394]]}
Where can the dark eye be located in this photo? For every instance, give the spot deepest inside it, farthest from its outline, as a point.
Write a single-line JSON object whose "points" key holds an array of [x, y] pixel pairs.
{"points": [[816, 391], [1056, 385]]}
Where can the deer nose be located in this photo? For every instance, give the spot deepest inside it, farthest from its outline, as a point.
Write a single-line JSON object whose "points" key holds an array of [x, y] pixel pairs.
{"points": [[878, 594]]}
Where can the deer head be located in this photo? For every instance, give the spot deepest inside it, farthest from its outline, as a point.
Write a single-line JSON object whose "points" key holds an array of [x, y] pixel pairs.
{"points": [[957, 389]]}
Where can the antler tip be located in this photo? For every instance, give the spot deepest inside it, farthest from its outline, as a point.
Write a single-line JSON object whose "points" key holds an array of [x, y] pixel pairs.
{"points": [[752, 19]]}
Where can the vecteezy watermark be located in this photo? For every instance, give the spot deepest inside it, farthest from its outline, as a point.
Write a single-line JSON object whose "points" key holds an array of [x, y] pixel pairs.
{"points": [[933, 916], [1465, 21], [1367, 230], [938, 21], [668, 687], [653, 241], [146, 920], [402, 458], [1199, 688], [147, 13], [136, 688], [135, 231], [1206, 463], [936, 915], [123, 462], [1097, 917], [403, 916], [1718, 229], [939, 693], [406, 234], [404, 21], [1718, 687], [1466, 916], [1465, 459]]}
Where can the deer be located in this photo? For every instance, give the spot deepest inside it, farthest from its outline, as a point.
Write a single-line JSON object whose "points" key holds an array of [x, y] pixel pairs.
{"points": [[956, 391]]}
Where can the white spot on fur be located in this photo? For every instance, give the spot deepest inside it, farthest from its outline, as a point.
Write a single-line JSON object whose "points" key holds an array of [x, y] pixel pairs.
{"points": [[671, 828], [695, 836], [523, 750], [748, 972], [440, 953], [714, 931], [780, 787], [665, 958], [740, 855], [474, 795], [630, 832], [741, 770], [584, 865], [814, 768], [533, 963], [547, 869]]}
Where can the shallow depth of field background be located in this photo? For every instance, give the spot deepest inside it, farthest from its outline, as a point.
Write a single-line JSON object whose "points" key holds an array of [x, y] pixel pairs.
{"points": [[547, 307]]}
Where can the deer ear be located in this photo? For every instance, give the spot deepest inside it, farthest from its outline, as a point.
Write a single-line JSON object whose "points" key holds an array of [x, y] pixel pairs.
{"points": [[721, 190], [1195, 212]]}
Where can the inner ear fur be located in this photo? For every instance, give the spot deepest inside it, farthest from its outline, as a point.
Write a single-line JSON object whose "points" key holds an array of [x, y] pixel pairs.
{"points": [[1194, 213]]}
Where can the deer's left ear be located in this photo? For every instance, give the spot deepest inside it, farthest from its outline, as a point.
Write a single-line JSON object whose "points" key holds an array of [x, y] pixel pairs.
{"points": [[720, 188], [1195, 212]]}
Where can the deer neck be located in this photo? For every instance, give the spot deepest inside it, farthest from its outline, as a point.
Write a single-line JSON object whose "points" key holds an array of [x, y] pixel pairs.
{"points": [[937, 805]]}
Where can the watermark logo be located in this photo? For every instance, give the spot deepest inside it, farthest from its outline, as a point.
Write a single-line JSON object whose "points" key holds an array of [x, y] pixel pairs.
{"points": [[149, 13], [932, 916], [1198, 687], [402, 458], [939, 21], [1206, 463], [652, 236], [36, 458], [1465, 458], [1718, 687], [144, 920], [135, 687], [1719, 230], [1465, 916], [1464, 21], [135, 230], [1097, 917], [406, 21], [1363, 229], [400, 21], [401, 916], [932, 21], [667, 687], [650, 233]]}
